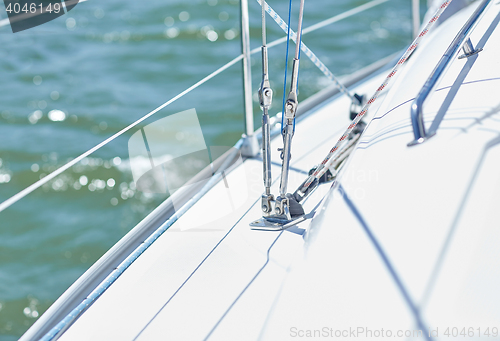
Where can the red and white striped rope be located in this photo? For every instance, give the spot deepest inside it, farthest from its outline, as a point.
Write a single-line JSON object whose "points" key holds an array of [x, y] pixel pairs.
{"points": [[323, 167]]}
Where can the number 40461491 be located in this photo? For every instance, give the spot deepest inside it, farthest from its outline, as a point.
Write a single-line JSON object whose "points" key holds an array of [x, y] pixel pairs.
{"points": [[33, 8]]}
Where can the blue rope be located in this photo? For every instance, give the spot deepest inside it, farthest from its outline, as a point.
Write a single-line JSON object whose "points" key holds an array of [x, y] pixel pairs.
{"points": [[286, 66]]}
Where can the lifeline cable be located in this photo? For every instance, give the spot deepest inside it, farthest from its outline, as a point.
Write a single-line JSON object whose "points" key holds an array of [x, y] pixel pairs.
{"points": [[15, 198], [329, 21]]}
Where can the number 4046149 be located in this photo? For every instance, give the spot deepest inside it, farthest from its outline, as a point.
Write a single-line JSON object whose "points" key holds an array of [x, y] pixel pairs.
{"points": [[471, 332], [33, 8]]}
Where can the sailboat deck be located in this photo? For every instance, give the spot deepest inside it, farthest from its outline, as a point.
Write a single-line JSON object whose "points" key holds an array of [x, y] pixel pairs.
{"points": [[210, 267], [396, 242]]}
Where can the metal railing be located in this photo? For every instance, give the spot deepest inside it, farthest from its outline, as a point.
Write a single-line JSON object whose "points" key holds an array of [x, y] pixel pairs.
{"points": [[250, 146], [461, 40], [415, 16]]}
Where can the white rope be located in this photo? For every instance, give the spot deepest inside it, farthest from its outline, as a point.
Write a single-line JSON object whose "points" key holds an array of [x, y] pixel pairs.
{"points": [[61, 169], [344, 15], [327, 22]]}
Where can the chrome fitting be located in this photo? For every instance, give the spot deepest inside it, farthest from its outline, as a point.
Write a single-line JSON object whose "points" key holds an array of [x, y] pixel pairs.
{"points": [[282, 208], [469, 49], [265, 95], [267, 204]]}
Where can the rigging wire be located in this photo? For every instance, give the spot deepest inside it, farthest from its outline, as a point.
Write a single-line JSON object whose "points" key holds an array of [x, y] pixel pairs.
{"points": [[289, 113], [299, 29], [265, 97], [263, 26], [297, 49], [297, 91], [311, 55], [265, 5]]}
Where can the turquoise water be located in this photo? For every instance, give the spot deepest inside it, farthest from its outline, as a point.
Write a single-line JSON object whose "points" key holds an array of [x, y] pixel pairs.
{"points": [[99, 68]]}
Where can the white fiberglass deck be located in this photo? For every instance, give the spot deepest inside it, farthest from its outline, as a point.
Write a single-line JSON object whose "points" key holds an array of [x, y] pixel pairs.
{"points": [[201, 267], [410, 242], [430, 211]]}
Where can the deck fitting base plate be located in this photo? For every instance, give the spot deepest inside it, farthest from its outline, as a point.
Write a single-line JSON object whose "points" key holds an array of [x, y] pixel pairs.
{"points": [[270, 224]]}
